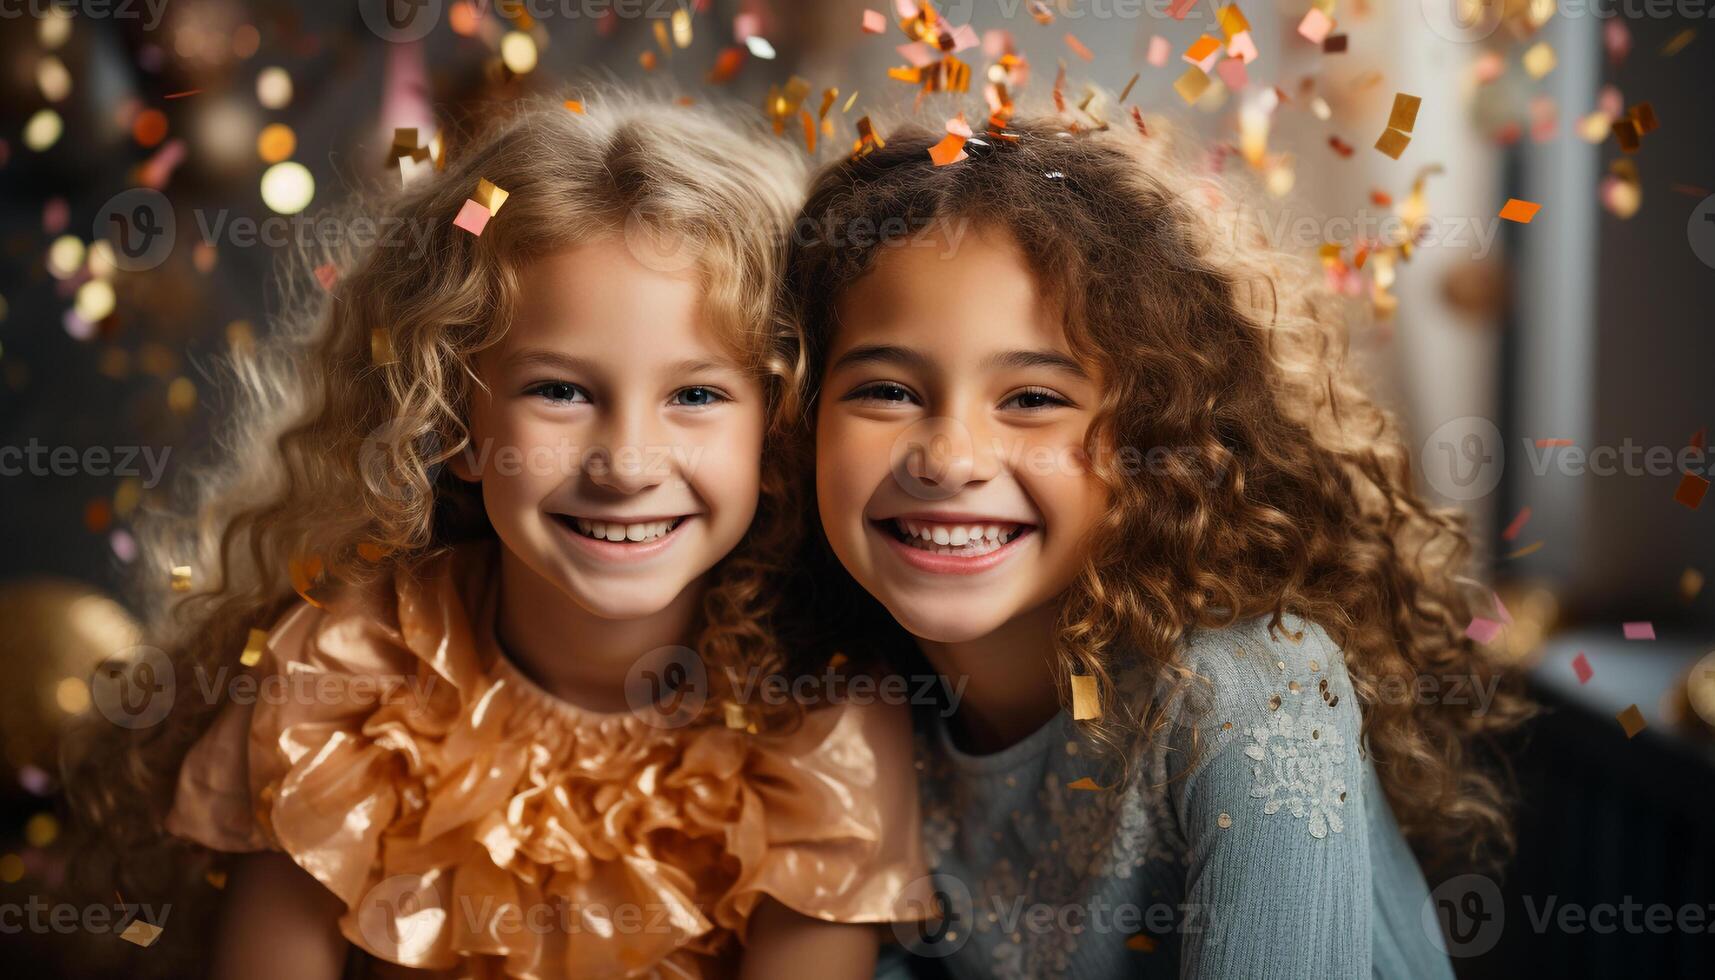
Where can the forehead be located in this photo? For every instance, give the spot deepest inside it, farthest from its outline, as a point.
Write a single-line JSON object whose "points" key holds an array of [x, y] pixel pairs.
{"points": [[598, 294], [961, 295]]}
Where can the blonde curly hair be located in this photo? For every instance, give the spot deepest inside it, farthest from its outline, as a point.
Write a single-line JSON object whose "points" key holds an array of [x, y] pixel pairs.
{"points": [[332, 460], [1287, 488]]}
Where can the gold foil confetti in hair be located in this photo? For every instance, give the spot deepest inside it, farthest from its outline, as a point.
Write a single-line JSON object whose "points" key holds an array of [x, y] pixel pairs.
{"points": [[489, 196], [371, 552], [381, 347], [306, 574], [735, 716], [254, 644], [1086, 698], [181, 579], [868, 141]]}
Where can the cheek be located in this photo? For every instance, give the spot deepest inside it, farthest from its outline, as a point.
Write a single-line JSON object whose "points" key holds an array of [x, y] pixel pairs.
{"points": [[723, 465], [851, 459]]}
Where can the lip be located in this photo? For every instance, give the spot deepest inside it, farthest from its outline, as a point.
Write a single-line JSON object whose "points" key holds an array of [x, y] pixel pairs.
{"points": [[928, 561], [624, 551]]}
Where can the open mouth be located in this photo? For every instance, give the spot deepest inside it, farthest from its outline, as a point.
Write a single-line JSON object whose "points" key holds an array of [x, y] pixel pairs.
{"points": [[954, 539], [637, 532]]}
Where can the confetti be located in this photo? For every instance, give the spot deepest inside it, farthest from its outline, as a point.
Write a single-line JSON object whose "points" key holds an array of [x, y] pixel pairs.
{"points": [[181, 578], [1521, 212], [951, 149], [305, 574], [327, 274], [1404, 114], [1483, 630], [1581, 667], [1232, 21], [1529, 549], [874, 22], [868, 140], [1232, 72], [381, 344], [489, 196], [727, 64], [1159, 51], [1631, 720], [1393, 142], [1086, 784], [1243, 47], [1203, 53], [1086, 698], [1678, 42], [472, 217], [1691, 490], [1340, 146], [682, 28], [1078, 48], [1192, 84], [1516, 526], [1641, 630], [1542, 443], [1690, 584], [736, 718], [1315, 26], [574, 106], [1141, 943], [1179, 8], [141, 933], [1334, 44], [1125, 92], [254, 644], [412, 170], [1539, 59]]}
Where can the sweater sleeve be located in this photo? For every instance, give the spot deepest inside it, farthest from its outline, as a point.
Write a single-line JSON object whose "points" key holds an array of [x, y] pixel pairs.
{"points": [[1272, 808]]}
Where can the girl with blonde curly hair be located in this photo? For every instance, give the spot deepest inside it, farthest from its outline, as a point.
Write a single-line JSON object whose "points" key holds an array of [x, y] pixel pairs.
{"points": [[1091, 446], [514, 516]]}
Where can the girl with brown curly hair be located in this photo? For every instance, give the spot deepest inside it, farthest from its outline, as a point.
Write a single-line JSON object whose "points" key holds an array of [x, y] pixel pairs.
{"points": [[1094, 447], [484, 501]]}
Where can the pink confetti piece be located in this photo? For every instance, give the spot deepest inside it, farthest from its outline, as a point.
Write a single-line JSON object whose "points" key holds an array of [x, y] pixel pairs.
{"points": [[1159, 51], [327, 275], [473, 218], [1180, 8], [35, 781], [1243, 47], [919, 54], [958, 126], [1483, 630], [124, 545], [1501, 609], [874, 22], [965, 36], [1516, 526], [1642, 630], [997, 42], [1581, 667], [1315, 26], [1232, 72], [906, 9], [746, 26]]}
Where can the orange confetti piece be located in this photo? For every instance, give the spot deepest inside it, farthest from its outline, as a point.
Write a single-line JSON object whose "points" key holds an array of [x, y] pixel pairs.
{"points": [[1529, 549], [1141, 943], [1516, 526], [1631, 720], [575, 106], [727, 64], [1393, 142], [1087, 784], [1078, 48], [1691, 490], [1520, 211], [951, 149], [1203, 52], [1550, 443], [304, 572]]}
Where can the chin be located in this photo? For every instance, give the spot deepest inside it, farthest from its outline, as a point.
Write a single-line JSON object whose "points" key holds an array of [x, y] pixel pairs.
{"points": [[959, 621]]}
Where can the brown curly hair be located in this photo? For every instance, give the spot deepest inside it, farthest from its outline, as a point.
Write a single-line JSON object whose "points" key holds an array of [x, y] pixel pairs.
{"points": [[1286, 490], [334, 454]]}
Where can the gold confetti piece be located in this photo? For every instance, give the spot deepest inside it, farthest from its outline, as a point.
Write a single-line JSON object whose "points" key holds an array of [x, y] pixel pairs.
{"points": [[1232, 21], [829, 96], [735, 716], [1529, 549], [1678, 42], [253, 647], [216, 878], [1192, 84], [1631, 720], [381, 347], [489, 196], [1086, 698], [1127, 90], [1086, 784], [837, 661], [682, 27], [181, 578], [661, 39], [1520, 211], [868, 141], [141, 933], [951, 149], [1690, 584], [850, 101], [1404, 115], [575, 106], [1539, 59], [1393, 142]]}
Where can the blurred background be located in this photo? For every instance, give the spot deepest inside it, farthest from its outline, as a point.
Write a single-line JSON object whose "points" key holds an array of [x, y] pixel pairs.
{"points": [[160, 159]]}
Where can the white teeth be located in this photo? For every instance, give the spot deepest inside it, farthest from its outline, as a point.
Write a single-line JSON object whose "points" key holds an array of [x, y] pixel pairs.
{"points": [[946, 539], [613, 531]]}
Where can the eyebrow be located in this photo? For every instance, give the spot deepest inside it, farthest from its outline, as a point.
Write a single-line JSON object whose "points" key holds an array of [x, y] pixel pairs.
{"points": [[914, 359], [544, 358]]}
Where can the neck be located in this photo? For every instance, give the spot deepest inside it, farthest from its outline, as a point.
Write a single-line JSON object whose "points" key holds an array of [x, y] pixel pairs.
{"points": [[570, 652], [1007, 678]]}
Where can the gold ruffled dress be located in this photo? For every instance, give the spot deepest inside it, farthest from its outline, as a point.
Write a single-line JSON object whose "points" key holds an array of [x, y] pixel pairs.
{"points": [[475, 825]]}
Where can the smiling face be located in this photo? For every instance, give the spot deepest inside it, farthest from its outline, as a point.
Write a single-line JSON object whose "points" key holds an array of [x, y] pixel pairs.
{"points": [[618, 444], [950, 469]]}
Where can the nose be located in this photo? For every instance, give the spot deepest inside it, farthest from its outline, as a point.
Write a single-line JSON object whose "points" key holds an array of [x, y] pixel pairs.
{"points": [[632, 454], [938, 457]]}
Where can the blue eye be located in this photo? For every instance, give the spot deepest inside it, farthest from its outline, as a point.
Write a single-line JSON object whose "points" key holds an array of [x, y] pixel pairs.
{"points": [[560, 392], [1035, 400], [884, 392], [698, 396]]}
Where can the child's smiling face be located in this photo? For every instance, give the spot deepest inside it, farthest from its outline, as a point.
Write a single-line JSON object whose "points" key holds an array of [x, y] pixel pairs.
{"points": [[618, 444], [950, 468]]}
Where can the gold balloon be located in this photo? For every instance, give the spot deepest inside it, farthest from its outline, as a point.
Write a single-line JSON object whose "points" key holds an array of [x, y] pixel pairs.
{"points": [[53, 633]]}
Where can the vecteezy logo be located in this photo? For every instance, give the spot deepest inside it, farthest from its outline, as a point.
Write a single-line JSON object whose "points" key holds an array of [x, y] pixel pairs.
{"points": [[400, 21], [1462, 21], [139, 224], [402, 917], [1463, 915], [667, 687], [134, 688], [657, 246], [1700, 230], [931, 459], [1463, 458], [381, 459], [939, 924]]}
